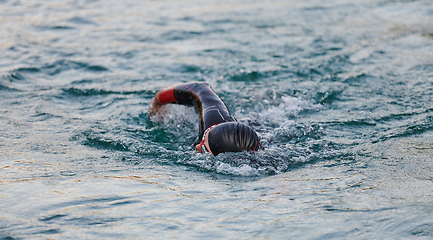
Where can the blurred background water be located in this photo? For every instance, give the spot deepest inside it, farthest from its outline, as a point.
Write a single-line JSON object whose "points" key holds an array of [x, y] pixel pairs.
{"points": [[341, 93]]}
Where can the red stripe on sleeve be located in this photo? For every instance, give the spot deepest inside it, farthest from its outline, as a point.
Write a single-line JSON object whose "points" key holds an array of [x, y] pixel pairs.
{"points": [[255, 147], [166, 95]]}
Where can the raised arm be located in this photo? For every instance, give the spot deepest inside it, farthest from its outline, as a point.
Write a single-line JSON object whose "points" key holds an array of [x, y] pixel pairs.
{"points": [[205, 101]]}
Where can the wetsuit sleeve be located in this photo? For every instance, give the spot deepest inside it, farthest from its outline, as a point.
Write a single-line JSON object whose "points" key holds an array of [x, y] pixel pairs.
{"points": [[185, 95]]}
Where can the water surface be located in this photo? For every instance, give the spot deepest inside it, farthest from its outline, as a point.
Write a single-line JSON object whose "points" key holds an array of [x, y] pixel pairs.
{"points": [[341, 94]]}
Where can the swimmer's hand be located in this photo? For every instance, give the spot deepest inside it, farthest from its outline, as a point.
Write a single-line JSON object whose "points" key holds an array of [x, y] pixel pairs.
{"points": [[162, 97], [156, 107]]}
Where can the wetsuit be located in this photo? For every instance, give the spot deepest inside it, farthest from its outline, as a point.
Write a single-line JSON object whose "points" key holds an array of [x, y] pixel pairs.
{"points": [[206, 102]]}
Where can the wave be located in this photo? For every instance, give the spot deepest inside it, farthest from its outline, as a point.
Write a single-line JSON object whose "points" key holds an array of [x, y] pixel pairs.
{"points": [[26, 73], [4, 87], [247, 76], [20, 75], [60, 66], [413, 128], [81, 21], [98, 92], [99, 141], [54, 27]]}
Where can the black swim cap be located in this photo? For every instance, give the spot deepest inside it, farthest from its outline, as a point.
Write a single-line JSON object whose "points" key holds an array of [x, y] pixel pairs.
{"points": [[232, 137]]}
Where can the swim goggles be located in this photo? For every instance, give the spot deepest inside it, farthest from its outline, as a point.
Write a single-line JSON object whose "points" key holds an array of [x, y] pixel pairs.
{"points": [[203, 147]]}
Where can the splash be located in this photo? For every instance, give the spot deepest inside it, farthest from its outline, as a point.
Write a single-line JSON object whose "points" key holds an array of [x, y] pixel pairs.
{"points": [[288, 108]]}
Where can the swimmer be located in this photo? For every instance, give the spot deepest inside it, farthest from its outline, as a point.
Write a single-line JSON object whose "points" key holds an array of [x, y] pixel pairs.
{"points": [[219, 131]]}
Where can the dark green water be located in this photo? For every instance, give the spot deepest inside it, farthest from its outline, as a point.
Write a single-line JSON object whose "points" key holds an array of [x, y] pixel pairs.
{"points": [[341, 93]]}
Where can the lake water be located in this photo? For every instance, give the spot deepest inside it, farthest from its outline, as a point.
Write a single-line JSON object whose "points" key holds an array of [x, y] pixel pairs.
{"points": [[341, 94]]}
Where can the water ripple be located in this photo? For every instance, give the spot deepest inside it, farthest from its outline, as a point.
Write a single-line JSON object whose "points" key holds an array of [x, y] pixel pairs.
{"points": [[340, 93]]}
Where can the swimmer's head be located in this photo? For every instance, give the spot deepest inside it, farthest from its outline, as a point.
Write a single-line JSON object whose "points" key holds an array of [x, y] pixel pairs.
{"points": [[232, 137]]}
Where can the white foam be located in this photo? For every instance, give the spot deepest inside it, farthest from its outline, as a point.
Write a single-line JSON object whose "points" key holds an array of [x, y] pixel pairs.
{"points": [[173, 113], [289, 107], [242, 170]]}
